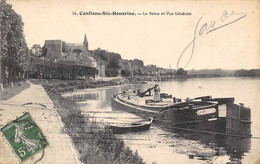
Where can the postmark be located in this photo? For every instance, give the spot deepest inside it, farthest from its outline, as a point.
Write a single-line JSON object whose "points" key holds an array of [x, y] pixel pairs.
{"points": [[24, 136]]}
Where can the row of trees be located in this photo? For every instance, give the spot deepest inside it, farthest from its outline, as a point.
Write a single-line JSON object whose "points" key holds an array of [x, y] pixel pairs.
{"points": [[14, 51], [220, 72], [248, 73], [59, 70]]}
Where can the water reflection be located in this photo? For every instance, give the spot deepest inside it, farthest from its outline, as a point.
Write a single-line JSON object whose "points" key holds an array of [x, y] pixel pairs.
{"points": [[164, 145], [220, 145]]}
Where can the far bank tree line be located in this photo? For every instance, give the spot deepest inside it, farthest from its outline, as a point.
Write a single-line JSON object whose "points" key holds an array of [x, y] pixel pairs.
{"points": [[225, 73]]}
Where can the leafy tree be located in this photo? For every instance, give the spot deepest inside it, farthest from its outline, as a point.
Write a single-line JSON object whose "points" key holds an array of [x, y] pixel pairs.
{"points": [[112, 68], [181, 71], [113, 64], [14, 49], [114, 56], [101, 54], [138, 62], [44, 51], [126, 72], [36, 50], [25, 62]]}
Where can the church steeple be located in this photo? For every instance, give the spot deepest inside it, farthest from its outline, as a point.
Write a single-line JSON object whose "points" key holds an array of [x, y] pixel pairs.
{"points": [[85, 42]]}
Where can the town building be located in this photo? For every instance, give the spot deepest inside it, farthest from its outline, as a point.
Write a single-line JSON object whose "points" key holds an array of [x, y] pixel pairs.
{"points": [[54, 49], [58, 50]]}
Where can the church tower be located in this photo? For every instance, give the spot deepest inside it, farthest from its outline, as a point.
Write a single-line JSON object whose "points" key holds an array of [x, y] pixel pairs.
{"points": [[85, 42]]}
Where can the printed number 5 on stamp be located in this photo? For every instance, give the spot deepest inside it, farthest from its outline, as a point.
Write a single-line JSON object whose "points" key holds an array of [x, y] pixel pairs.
{"points": [[24, 136]]}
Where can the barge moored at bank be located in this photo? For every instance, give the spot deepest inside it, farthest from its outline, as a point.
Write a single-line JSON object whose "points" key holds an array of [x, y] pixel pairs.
{"points": [[203, 113]]}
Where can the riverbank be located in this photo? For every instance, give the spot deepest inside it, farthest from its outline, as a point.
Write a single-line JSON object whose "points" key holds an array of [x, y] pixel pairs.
{"points": [[94, 141], [61, 86]]}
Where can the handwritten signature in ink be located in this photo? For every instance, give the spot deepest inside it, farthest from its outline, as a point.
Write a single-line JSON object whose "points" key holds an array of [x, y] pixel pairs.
{"points": [[226, 19]]}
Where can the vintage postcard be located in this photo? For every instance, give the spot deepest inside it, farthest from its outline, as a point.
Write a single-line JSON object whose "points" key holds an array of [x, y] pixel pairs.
{"points": [[142, 81]]}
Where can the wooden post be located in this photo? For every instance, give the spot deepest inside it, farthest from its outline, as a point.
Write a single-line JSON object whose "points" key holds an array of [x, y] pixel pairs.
{"points": [[1, 87], [1, 80], [1, 77]]}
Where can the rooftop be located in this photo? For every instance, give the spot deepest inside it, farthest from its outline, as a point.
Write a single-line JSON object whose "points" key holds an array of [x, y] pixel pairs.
{"points": [[75, 44]]}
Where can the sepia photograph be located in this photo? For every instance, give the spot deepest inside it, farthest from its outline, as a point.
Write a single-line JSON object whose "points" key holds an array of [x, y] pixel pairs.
{"points": [[129, 82]]}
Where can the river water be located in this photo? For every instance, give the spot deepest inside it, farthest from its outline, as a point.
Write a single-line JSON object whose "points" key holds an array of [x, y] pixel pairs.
{"points": [[159, 145]]}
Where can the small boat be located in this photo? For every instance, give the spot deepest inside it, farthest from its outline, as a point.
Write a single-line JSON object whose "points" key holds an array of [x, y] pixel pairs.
{"points": [[139, 126], [203, 112]]}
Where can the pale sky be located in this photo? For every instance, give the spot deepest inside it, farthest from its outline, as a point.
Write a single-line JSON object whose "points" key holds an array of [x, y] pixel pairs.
{"points": [[158, 40]]}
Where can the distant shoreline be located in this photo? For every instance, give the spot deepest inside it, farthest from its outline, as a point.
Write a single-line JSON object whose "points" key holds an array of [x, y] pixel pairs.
{"points": [[69, 86]]}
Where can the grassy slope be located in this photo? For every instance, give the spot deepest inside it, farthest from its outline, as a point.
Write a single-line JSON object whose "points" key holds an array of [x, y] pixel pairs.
{"points": [[61, 86], [16, 89]]}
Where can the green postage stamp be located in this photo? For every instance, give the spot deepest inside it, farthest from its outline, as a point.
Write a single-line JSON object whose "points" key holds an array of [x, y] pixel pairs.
{"points": [[24, 136]]}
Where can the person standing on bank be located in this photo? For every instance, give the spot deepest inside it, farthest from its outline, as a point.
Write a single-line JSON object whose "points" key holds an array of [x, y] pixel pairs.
{"points": [[156, 90]]}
